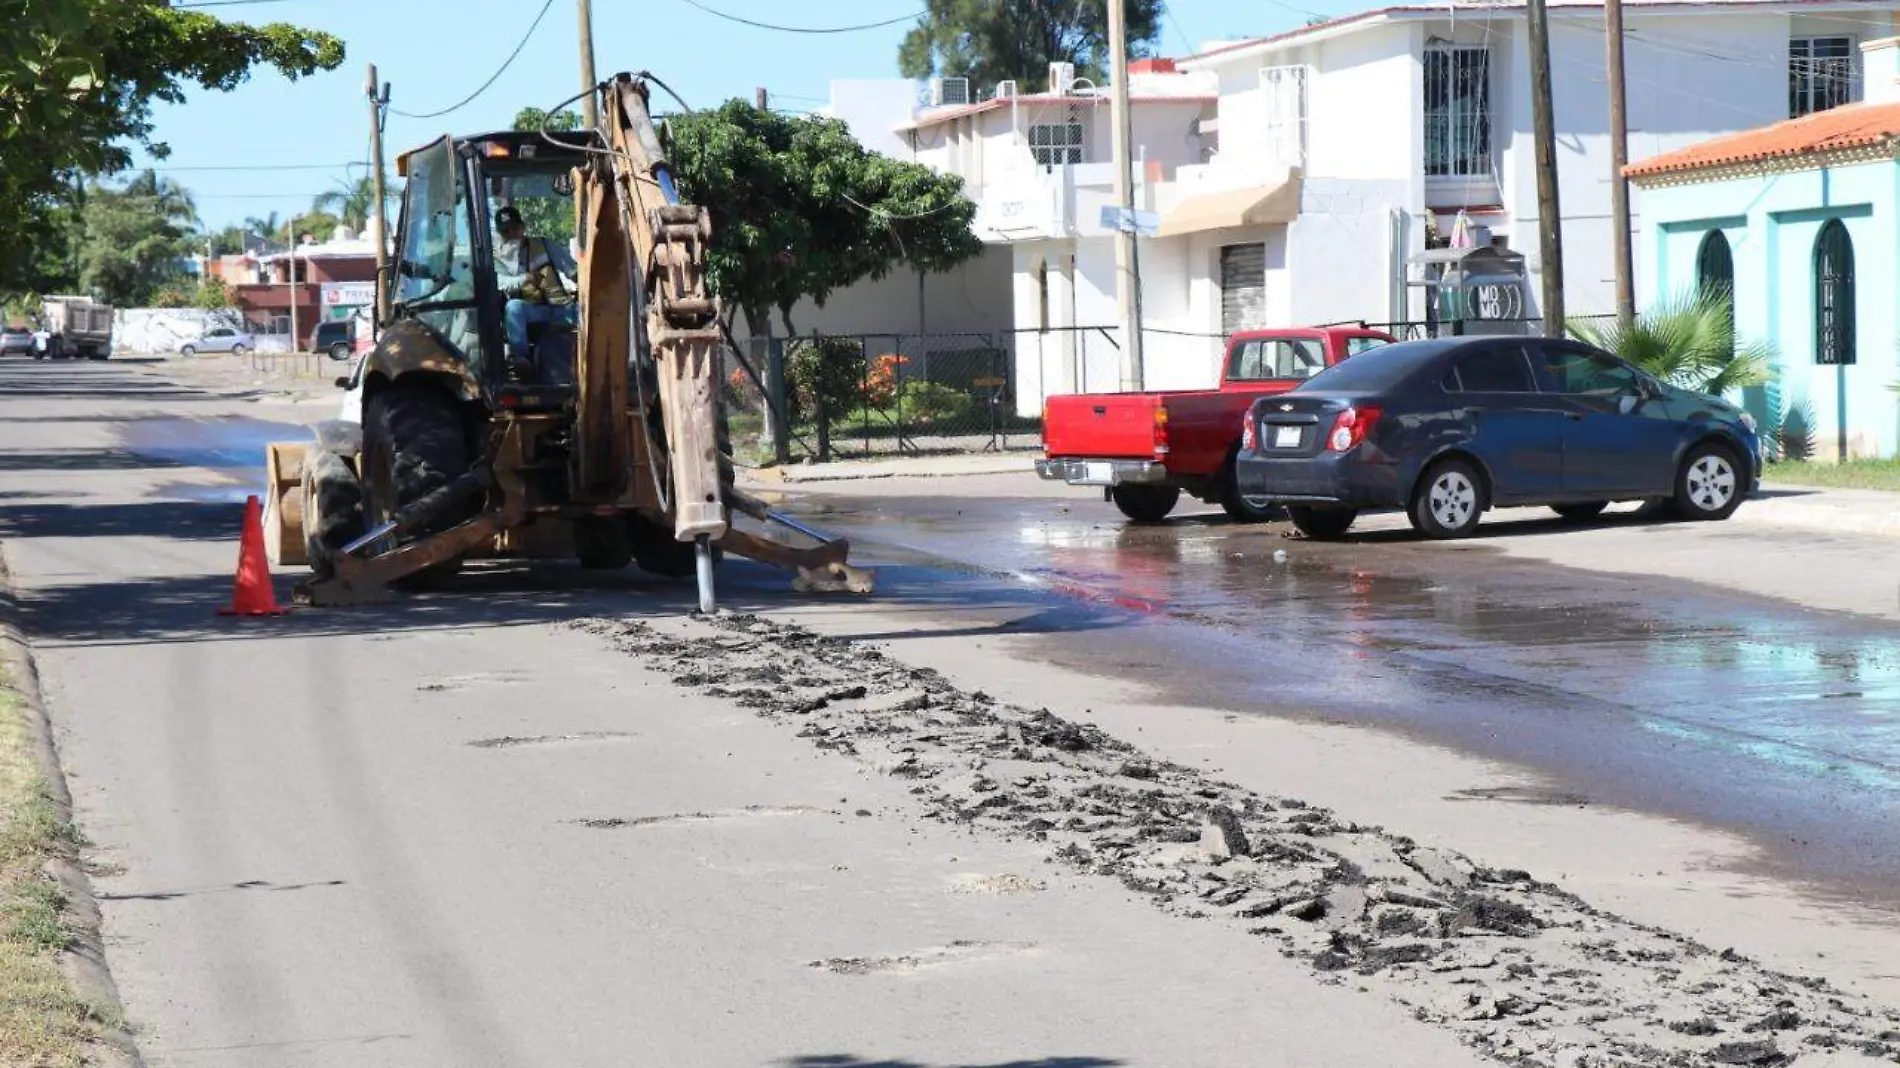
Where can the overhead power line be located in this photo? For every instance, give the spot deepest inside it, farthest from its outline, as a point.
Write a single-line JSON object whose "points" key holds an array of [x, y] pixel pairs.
{"points": [[228, 3], [509, 62], [803, 29]]}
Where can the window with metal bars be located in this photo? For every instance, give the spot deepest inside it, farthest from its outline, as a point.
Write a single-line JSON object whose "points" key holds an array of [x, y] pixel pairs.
{"points": [[1820, 74], [1833, 295], [1457, 112], [1056, 143]]}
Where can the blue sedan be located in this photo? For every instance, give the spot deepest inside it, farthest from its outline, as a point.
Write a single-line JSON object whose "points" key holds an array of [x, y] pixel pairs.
{"points": [[1449, 428]]}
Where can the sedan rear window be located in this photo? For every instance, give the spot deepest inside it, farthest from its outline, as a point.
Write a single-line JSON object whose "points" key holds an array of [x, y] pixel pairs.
{"points": [[1375, 369], [1494, 369]]}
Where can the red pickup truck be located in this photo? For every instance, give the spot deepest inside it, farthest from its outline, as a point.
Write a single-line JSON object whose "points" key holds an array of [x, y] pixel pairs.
{"points": [[1143, 449]]}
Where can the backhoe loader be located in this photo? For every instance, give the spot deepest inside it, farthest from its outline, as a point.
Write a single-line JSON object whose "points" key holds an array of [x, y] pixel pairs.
{"points": [[599, 442]]}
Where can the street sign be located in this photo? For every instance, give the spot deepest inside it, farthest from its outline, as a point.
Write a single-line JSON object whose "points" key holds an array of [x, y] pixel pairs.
{"points": [[1145, 223]]}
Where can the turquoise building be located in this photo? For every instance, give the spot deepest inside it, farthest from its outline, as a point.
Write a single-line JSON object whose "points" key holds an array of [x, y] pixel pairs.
{"points": [[1801, 220]]}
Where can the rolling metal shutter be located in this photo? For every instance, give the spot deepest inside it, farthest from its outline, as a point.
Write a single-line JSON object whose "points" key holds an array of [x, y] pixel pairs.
{"points": [[1243, 287]]}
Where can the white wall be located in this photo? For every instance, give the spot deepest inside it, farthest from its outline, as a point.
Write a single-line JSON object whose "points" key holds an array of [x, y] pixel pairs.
{"points": [[1362, 99], [973, 298], [154, 330]]}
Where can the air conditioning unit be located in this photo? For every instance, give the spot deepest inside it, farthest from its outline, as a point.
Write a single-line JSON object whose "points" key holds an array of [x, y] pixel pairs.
{"points": [[1006, 90], [1061, 77], [945, 91]]}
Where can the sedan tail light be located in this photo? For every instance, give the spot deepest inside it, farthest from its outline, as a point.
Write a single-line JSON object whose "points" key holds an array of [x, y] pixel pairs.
{"points": [[1351, 426]]}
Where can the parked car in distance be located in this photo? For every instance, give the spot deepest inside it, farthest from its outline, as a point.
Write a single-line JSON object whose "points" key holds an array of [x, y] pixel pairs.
{"points": [[220, 339], [335, 338], [1446, 429], [16, 341], [1145, 449]]}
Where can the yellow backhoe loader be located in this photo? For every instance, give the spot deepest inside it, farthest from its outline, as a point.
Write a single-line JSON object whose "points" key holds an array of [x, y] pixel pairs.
{"points": [[594, 435]]}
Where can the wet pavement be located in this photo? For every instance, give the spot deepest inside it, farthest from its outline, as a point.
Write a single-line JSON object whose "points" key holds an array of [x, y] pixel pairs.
{"points": [[1723, 709], [1736, 712]]}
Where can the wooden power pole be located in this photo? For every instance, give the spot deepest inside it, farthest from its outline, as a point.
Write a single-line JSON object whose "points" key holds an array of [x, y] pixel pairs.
{"points": [[1127, 278], [590, 107], [1550, 244], [380, 226], [1619, 157]]}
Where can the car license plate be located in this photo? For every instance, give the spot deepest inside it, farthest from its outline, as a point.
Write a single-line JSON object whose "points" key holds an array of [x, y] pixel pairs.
{"points": [[1286, 437], [1098, 474]]}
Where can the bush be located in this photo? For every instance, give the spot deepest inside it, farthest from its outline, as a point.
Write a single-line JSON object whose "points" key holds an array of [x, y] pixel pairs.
{"points": [[930, 402]]}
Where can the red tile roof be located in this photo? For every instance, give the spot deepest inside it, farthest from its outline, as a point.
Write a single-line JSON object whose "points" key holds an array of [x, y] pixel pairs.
{"points": [[1845, 127]]}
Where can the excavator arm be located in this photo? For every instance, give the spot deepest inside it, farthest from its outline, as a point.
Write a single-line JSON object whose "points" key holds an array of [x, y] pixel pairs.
{"points": [[647, 249]]}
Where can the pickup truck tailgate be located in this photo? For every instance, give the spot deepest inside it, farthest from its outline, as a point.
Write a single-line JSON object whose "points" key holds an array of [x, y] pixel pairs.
{"points": [[1101, 424]]}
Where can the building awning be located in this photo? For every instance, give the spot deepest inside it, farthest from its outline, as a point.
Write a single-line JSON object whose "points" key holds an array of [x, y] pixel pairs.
{"points": [[1254, 205]]}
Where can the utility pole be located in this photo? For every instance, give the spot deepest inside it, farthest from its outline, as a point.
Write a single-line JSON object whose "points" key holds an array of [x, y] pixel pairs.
{"points": [[377, 98], [761, 99], [1550, 245], [590, 107], [1127, 275], [1619, 156], [294, 335]]}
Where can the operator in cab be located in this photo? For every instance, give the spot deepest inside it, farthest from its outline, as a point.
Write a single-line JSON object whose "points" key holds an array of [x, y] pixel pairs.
{"points": [[538, 278]]}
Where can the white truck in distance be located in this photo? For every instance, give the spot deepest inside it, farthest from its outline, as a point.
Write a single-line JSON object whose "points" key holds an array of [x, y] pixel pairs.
{"points": [[75, 327]]}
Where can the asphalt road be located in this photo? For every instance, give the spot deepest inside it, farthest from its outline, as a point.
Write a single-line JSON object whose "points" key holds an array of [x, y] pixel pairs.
{"points": [[358, 837], [455, 832]]}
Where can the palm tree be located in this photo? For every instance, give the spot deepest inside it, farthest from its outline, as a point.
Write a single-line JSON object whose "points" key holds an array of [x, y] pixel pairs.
{"points": [[265, 227], [171, 201], [352, 203], [1687, 341]]}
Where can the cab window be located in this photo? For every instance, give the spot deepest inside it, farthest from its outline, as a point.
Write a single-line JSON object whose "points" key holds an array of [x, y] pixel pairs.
{"points": [[436, 277], [1262, 359], [1357, 345]]}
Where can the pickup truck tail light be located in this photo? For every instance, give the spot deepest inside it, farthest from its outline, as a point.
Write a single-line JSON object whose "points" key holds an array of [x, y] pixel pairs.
{"points": [[1247, 437], [1161, 431], [1350, 427]]}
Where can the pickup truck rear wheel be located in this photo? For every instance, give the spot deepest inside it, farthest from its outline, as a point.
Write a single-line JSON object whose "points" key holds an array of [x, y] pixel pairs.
{"points": [[1322, 524], [1145, 504], [1240, 507]]}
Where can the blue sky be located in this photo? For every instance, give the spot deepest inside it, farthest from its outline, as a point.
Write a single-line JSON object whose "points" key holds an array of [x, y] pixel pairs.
{"points": [[436, 52]]}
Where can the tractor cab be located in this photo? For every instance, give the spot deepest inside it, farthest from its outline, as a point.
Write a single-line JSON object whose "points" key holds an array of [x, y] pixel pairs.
{"points": [[517, 340]]}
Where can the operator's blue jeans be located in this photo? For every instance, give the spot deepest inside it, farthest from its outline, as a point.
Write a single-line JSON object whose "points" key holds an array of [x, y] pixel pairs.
{"points": [[520, 313]]}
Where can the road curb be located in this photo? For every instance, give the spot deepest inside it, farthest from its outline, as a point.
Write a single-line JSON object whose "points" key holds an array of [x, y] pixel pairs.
{"points": [[84, 963], [865, 470]]}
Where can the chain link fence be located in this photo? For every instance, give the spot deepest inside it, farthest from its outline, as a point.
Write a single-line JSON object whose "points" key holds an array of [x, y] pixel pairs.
{"points": [[858, 396]]}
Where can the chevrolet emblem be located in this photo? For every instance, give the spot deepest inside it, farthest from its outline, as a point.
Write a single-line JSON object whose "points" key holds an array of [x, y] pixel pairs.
{"points": [[1286, 407]]}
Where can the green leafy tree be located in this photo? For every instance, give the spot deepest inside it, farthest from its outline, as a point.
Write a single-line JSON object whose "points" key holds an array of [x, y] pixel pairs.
{"points": [[988, 41], [550, 217], [78, 80], [1687, 341], [135, 239], [800, 209]]}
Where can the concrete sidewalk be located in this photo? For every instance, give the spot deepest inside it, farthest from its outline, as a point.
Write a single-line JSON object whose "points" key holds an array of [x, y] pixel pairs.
{"points": [[1015, 461], [1830, 511]]}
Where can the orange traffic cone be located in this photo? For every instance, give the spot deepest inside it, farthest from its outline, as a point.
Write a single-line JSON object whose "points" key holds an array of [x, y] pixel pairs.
{"points": [[253, 594]]}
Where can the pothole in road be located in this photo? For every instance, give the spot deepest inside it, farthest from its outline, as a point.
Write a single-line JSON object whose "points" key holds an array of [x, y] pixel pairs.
{"points": [[748, 812], [1521, 795], [935, 956], [996, 884], [511, 742], [464, 682]]}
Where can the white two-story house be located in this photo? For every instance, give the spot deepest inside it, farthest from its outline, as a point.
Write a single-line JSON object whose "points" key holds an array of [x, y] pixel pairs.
{"points": [[1294, 177]]}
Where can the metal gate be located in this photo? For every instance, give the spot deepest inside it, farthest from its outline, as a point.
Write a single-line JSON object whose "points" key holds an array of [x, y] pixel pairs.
{"points": [[1243, 287]]}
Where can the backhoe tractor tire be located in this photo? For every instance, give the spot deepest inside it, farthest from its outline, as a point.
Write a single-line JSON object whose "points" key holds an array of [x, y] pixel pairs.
{"points": [[1321, 523], [602, 543], [332, 508], [414, 443], [658, 552], [1239, 507], [1143, 503]]}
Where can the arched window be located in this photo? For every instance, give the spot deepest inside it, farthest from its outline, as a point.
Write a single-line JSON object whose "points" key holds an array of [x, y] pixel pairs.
{"points": [[1714, 267], [1833, 295]]}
